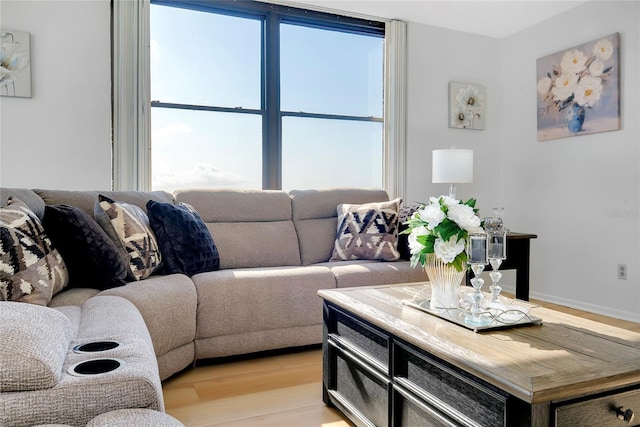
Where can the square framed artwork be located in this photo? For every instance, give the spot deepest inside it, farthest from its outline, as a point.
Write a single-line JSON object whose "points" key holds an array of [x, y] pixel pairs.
{"points": [[466, 105], [15, 64], [579, 89]]}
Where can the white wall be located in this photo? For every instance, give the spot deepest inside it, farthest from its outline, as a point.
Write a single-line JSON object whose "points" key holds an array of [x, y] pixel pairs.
{"points": [[579, 194], [61, 136], [437, 56]]}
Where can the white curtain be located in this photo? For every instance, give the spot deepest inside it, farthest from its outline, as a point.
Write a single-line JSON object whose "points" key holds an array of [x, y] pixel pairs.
{"points": [[395, 94], [131, 115]]}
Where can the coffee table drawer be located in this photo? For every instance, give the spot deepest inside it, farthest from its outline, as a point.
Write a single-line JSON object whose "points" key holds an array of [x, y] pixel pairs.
{"points": [[453, 393], [602, 411], [363, 340], [362, 391], [412, 412]]}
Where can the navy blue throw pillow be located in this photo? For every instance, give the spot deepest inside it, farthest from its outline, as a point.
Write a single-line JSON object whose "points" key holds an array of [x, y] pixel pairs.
{"points": [[184, 240], [92, 259], [405, 214]]}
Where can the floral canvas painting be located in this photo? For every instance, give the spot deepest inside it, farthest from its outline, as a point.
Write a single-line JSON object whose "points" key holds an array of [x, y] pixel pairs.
{"points": [[15, 64], [466, 105], [579, 90]]}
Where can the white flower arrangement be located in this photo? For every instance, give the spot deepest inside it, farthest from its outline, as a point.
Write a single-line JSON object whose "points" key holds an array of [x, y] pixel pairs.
{"points": [[442, 227], [578, 79]]}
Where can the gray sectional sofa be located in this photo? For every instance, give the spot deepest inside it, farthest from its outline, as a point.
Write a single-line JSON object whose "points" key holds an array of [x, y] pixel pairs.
{"points": [[274, 248]]}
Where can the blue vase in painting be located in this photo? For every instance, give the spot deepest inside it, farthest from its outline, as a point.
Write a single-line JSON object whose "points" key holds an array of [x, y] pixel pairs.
{"points": [[574, 115]]}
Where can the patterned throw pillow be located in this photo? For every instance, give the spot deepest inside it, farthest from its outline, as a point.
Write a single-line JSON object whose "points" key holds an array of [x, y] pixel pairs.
{"points": [[405, 213], [368, 231], [31, 269], [128, 226], [93, 260], [185, 242]]}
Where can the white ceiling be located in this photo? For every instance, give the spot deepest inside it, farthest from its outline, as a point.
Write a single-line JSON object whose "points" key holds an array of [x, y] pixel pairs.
{"points": [[489, 18]]}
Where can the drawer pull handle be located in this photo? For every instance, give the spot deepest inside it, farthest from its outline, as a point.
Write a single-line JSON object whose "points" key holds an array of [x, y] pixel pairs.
{"points": [[624, 415]]}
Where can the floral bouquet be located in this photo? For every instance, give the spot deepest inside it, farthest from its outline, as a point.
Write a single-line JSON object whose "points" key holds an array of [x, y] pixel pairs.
{"points": [[442, 227]]}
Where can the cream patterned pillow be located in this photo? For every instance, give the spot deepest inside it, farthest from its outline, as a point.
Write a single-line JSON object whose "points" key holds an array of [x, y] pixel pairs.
{"points": [[31, 269], [368, 231], [128, 226]]}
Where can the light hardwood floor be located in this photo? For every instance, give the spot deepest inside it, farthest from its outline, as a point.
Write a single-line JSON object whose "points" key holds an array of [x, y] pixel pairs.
{"points": [[274, 390]]}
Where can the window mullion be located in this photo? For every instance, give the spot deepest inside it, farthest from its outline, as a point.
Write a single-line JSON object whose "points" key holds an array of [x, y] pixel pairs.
{"points": [[272, 121]]}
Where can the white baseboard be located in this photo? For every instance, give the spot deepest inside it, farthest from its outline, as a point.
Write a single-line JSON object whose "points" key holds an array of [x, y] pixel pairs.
{"points": [[592, 308]]}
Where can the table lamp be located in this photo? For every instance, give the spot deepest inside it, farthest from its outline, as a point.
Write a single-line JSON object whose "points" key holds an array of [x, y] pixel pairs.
{"points": [[452, 166]]}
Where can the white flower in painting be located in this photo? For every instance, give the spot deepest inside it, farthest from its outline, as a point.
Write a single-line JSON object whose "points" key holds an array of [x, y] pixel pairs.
{"points": [[603, 49], [544, 84], [588, 91], [13, 59], [448, 250], [461, 116], [564, 86], [573, 61], [464, 216], [414, 245], [432, 214], [470, 96], [596, 68]]}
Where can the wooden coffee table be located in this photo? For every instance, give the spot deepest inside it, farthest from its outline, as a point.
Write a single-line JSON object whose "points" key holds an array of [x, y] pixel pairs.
{"points": [[385, 363]]}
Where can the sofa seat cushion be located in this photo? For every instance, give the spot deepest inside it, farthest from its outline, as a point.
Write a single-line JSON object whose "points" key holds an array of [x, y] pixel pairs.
{"points": [[372, 273], [167, 305], [34, 346], [255, 299], [31, 268], [73, 297]]}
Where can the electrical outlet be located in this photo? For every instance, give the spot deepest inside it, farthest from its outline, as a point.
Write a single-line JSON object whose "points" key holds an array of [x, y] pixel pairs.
{"points": [[622, 271]]}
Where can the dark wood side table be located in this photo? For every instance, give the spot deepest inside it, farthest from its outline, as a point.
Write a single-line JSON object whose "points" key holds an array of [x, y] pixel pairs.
{"points": [[518, 251]]}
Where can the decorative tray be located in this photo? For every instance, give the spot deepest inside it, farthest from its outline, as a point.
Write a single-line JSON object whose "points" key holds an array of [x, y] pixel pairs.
{"points": [[504, 313]]}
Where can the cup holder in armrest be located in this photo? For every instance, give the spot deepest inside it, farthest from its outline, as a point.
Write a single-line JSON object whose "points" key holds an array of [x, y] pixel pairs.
{"points": [[96, 367], [93, 347]]}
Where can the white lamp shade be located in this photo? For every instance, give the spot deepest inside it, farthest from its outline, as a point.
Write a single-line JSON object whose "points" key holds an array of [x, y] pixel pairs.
{"points": [[452, 166]]}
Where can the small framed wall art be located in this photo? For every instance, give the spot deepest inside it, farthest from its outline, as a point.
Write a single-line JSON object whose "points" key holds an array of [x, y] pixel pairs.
{"points": [[579, 89], [466, 105], [15, 64]]}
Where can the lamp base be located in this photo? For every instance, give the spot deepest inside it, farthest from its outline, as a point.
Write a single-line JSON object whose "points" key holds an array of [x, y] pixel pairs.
{"points": [[452, 190]]}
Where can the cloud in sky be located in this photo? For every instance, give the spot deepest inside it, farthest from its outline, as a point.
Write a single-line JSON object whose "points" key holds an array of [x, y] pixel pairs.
{"points": [[200, 176]]}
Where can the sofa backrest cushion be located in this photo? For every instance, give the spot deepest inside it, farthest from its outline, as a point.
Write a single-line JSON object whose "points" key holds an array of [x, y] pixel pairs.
{"points": [[86, 200], [251, 228], [35, 341], [316, 219], [28, 197]]}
